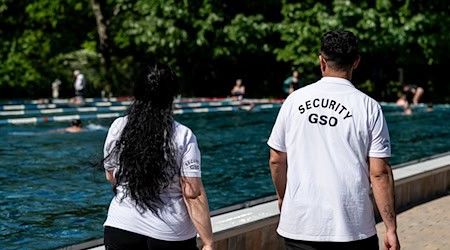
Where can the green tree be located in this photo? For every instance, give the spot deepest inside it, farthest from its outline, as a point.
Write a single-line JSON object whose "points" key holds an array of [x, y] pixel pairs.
{"points": [[211, 43], [393, 34], [32, 34]]}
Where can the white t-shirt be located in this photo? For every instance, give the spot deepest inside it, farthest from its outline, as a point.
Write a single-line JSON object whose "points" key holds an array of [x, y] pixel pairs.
{"points": [[79, 82], [328, 130], [173, 222]]}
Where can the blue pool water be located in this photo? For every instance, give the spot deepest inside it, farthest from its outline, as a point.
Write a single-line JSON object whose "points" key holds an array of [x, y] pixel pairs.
{"points": [[52, 197]]}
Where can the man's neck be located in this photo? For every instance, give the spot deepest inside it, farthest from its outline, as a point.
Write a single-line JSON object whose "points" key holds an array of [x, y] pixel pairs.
{"points": [[341, 74]]}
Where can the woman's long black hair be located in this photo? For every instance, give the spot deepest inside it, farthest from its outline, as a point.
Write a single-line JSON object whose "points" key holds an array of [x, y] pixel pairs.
{"points": [[146, 153]]}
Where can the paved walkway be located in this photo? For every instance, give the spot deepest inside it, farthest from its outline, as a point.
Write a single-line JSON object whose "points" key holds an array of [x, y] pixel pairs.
{"points": [[423, 227]]}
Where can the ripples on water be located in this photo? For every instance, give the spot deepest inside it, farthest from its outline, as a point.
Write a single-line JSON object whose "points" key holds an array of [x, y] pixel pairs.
{"points": [[52, 197]]}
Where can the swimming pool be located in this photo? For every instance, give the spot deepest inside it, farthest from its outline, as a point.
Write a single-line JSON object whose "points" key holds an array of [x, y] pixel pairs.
{"points": [[52, 197]]}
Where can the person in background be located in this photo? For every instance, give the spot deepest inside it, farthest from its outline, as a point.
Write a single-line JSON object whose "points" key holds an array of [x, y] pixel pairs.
{"points": [[329, 144], [55, 88], [80, 83], [291, 83], [413, 93], [430, 107], [410, 94], [80, 87], [402, 101], [153, 163], [238, 91], [75, 127], [408, 110]]}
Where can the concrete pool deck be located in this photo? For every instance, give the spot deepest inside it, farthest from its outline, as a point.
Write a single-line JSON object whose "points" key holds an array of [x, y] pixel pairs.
{"points": [[422, 197], [424, 227]]}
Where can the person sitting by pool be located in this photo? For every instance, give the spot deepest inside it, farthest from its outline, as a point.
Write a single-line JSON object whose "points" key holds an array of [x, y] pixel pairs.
{"points": [[238, 91], [76, 126]]}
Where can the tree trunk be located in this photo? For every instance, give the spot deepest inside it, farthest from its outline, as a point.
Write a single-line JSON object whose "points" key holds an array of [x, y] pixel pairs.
{"points": [[98, 7], [105, 55]]}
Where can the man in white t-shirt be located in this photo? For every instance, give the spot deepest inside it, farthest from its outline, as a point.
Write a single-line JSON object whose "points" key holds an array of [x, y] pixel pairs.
{"points": [[80, 83], [329, 143]]}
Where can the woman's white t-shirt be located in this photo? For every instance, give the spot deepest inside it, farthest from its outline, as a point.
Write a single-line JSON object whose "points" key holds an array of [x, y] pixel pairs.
{"points": [[172, 222]]}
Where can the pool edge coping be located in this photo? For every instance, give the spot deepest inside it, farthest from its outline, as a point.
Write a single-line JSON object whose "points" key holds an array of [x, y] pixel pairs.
{"points": [[235, 222]]}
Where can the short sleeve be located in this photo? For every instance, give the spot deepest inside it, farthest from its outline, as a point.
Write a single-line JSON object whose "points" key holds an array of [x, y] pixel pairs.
{"points": [[111, 161], [380, 146], [191, 157], [277, 137]]}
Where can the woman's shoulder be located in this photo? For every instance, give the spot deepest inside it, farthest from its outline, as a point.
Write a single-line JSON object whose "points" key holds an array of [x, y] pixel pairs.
{"points": [[181, 128], [119, 121], [118, 124], [182, 131]]}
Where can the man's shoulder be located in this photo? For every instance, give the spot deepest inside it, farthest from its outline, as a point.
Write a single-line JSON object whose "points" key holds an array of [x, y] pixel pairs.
{"points": [[367, 98], [349, 90]]}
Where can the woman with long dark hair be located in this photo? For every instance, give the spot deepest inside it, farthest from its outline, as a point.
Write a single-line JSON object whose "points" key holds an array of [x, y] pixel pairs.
{"points": [[153, 163]]}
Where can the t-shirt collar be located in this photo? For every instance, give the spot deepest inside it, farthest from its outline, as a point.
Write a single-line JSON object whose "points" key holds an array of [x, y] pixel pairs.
{"points": [[336, 80]]}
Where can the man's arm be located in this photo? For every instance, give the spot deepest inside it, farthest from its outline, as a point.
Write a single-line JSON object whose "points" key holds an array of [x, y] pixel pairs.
{"points": [[278, 168], [383, 192]]}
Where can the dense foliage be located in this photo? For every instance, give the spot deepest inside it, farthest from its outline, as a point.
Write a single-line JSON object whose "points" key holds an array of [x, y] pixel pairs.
{"points": [[211, 43]]}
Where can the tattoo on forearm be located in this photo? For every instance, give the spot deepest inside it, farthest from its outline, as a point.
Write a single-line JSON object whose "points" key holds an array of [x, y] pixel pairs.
{"points": [[388, 212]]}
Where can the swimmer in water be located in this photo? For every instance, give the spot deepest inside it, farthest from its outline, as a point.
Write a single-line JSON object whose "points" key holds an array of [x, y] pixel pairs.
{"points": [[76, 126]]}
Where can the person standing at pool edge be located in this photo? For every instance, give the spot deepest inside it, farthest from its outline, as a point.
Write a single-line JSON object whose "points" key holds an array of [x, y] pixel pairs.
{"points": [[154, 165], [238, 91], [80, 84], [291, 83], [335, 140]]}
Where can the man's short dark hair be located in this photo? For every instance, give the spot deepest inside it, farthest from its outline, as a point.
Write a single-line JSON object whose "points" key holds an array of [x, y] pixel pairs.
{"points": [[339, 48]]}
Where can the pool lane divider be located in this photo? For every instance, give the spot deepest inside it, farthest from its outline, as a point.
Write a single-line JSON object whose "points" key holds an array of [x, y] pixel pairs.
{"points": [[62, 110], [49, 106], [126, 103], [118, 108], [28, 106], [63, 101], [111, 108], [29, 120], [112, 99]]}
